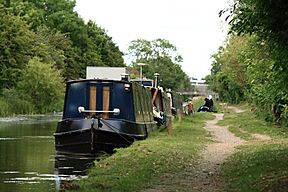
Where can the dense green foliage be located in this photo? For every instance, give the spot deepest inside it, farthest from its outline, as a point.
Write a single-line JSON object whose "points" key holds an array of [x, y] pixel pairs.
{"points": [[145, 162], [228, 76], [268, 19], [48, 89], [63, 44], [161, 57], [45, 95], [253, 67], [59, 33]]}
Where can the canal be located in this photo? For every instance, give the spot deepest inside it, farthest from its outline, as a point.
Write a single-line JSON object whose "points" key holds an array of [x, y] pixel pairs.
{"points": [[28, 161]]}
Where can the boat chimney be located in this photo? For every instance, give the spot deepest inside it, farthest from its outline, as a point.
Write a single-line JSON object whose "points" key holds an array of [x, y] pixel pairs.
{"points": [[156, 75]]}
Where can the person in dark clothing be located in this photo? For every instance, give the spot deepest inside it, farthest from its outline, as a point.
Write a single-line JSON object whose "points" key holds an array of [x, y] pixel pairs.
{"points": [[208, 105]]}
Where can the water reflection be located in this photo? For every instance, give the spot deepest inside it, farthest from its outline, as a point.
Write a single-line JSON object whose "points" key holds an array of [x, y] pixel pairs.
{"points": [[72, 165], [28, 161], [69, 168]]}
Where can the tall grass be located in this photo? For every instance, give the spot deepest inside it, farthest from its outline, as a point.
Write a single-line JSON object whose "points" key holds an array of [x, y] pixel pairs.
{"points": [[14, 105], [4, 108], [13, 102]]}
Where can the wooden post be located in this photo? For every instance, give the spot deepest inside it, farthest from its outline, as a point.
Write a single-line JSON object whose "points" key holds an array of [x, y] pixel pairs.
{"points": [[169, 126], [179, 115]]}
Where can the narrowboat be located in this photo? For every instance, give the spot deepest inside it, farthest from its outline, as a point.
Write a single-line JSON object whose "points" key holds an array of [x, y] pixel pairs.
{"points": [[161, 105], [102, 114], [161, 100]]}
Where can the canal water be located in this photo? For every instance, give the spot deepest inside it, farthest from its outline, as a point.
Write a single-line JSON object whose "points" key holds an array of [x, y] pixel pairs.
{"points": [[28, 161]]}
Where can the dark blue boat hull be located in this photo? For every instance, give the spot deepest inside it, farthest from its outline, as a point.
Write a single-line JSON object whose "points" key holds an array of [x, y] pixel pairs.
{"points": [[92, 136]]}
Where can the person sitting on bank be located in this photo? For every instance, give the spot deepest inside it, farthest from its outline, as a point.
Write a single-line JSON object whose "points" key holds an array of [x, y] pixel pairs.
{"points": [[208, 105]]}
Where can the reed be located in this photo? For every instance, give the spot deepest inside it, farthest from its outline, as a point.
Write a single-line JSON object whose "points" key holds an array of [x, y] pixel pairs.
{"points": [[12, 105], [5, 108]]}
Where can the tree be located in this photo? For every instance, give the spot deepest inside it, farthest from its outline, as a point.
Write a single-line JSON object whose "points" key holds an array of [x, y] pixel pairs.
{"points": [[244, 70], [42, 85], [19, 44], [53, 32], [141, 49], [228, 73], [60, 51], [264, 18], [110, 54], [268, 22], [16, 47], [89, 44], [161, 57]]}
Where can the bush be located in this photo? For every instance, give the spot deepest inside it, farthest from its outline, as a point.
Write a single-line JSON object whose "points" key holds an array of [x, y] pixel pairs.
{"points": [[42, 85]]}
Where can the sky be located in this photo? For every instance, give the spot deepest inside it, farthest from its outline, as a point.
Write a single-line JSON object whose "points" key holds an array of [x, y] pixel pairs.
{"points": [[193, 26]]}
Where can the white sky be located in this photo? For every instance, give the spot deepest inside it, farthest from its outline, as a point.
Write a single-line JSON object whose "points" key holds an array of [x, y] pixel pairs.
{"points": [[193, 26]]}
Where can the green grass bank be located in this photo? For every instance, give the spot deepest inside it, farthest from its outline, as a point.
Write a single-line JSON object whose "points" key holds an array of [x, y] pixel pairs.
{"points": [[140, 165], [259, 165]]}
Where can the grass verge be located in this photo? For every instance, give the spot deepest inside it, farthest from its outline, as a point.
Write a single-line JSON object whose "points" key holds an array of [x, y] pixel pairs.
{"points": [[139, 166], [258, 166]]}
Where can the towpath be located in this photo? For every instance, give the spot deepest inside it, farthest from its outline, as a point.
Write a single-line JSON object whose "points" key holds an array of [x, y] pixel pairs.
{"points": [[204, 176], [208, 169]]}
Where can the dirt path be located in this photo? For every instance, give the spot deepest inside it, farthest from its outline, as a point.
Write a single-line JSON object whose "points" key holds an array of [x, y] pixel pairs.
{"points": [[213, 156], [237, 110], [204, 176]]}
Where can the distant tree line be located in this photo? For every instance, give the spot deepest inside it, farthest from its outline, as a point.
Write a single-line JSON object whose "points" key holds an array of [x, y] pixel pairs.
{"points": [[44, 43], [253, 64]]}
